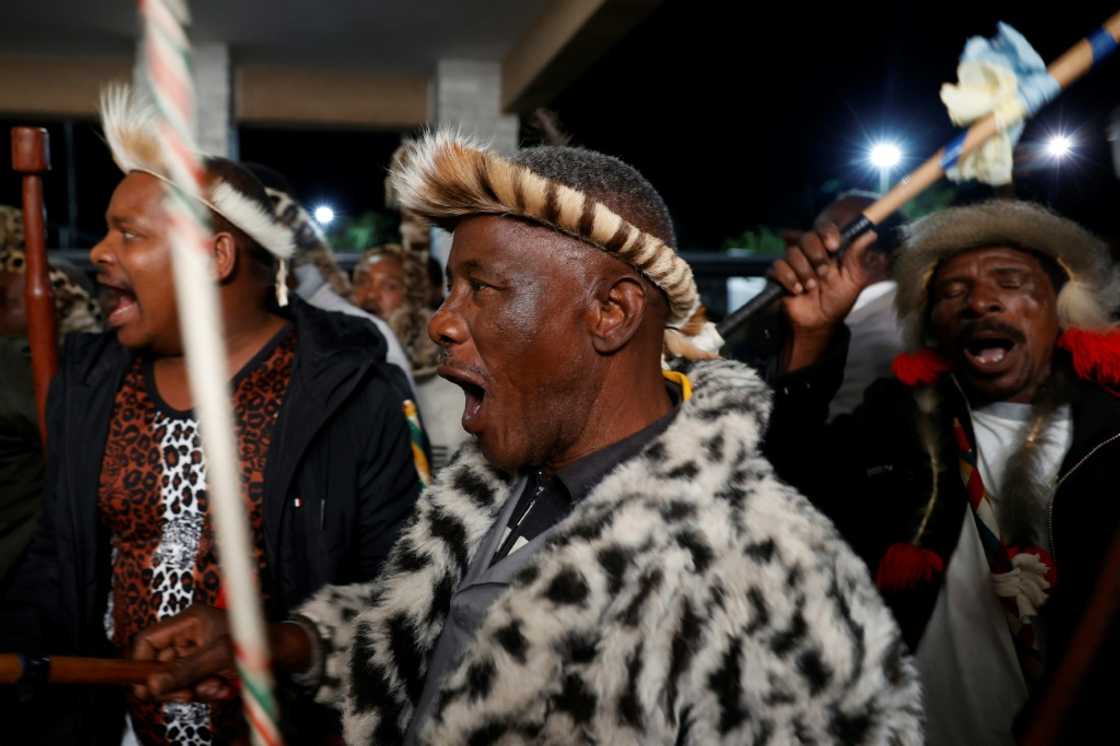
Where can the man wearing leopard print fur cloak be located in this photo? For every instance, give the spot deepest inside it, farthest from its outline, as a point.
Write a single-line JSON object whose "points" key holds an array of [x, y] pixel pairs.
{"points": [[610, 559]]}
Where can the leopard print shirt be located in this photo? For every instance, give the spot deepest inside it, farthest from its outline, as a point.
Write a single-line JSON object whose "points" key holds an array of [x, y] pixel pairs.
{"points": [[153, 499]]}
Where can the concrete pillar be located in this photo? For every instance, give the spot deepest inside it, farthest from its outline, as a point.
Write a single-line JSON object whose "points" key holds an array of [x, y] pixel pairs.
{"points": [[213, 81], [467, 94], [213, 85]]}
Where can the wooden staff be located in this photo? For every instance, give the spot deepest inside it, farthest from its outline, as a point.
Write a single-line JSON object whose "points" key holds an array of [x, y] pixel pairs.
{"points": [[1065, 70], [18, 669], [31, 157], [1096, 626]]}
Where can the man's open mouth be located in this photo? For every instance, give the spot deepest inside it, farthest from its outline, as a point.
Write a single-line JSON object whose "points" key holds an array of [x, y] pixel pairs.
{"points": [[123, 306], [988, 352], [475, 391]]}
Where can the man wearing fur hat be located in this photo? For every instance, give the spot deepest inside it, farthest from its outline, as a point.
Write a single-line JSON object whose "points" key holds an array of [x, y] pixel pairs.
{"points": [[392, 281], [972, 484], [326, 464], [610, 560]]}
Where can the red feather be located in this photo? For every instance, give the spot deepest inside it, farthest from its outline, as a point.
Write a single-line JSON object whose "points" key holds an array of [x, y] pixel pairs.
{"points": [[1096, 355], [905, 566], [919, 368]]}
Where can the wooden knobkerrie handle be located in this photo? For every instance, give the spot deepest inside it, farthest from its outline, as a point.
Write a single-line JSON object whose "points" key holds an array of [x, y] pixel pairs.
{"points": [[31, 157], [16, 669]]}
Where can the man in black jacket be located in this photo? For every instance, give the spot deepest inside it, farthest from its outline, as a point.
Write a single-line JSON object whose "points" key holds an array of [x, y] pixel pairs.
{"points": [[326, 460], [976, 486]]}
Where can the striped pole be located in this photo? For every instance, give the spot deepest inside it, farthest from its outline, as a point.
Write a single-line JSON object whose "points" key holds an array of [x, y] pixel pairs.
{"points": [[419, 440], [1080, 58], [166, 51]]}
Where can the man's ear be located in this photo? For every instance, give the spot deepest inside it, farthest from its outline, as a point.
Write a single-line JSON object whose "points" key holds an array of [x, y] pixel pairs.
{"points": [[225, 256], [617, 314]]}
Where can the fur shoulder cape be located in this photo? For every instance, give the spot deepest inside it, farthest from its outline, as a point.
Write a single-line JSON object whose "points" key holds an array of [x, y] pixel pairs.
{"points": [[690, 598]]}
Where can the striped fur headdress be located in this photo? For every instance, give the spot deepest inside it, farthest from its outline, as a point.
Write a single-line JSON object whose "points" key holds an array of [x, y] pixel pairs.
{"points": [[129, 124], [444, 177]]}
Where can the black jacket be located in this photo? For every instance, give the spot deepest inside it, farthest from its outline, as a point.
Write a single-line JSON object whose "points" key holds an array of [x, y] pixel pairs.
{"points": [[869, 472], [23, 471], [341, 444]]}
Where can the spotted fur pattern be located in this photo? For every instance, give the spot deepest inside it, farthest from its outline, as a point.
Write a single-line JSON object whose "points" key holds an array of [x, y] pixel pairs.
{"points": [[690, 598], [182, 498], [75, 309], [11, 228]]}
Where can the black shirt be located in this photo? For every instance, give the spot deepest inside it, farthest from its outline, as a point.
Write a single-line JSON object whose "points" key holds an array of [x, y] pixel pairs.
{"points": [[548, 499]]}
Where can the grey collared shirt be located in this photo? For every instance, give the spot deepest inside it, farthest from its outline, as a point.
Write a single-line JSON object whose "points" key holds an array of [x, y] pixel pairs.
{"points": [[548, 499]]}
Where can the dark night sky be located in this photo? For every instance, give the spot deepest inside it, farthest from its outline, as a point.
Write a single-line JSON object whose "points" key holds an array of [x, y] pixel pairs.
{"points": [[738, 119]]}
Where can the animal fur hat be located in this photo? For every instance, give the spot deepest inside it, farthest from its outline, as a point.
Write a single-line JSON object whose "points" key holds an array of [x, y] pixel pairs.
{"points": [[410, 321], [311, 244], [130, 126], [444, 177], [1085, 301]]}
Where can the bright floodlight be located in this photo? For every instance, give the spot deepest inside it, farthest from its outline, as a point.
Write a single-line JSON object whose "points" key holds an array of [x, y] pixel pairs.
{"points": [[1059, 146], [324, 214], [885, 155]]}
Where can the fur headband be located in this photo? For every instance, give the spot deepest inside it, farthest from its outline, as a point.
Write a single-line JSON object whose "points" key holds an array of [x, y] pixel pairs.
{"points": [[1087, 299], [130, 128], [311, 244], [443, 177]]}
